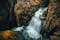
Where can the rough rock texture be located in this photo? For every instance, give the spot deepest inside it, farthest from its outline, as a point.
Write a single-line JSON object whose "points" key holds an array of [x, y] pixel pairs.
{"points": [[52, 24], [7, 35], [24, 10]]}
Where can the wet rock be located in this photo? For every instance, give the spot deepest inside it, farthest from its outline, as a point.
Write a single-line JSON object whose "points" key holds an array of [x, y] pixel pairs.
{"points": [[25, 9], [7, 35], [52, 23]]}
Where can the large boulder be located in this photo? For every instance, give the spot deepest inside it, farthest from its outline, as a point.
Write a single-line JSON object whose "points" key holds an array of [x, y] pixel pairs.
{"points": [[52, 23]]}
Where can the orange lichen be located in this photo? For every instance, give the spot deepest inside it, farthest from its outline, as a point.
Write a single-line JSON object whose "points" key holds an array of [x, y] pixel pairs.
{"points": [[7, 35]]}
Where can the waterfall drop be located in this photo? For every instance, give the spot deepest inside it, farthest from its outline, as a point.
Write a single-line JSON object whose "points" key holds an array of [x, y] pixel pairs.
{"points": [[32, 31]]}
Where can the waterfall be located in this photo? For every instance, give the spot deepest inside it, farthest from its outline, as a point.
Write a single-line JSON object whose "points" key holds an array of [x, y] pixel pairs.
{"points": [[32, 31]]}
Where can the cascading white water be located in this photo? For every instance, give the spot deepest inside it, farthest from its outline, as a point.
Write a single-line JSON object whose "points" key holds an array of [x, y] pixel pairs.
{"points": [[34, 27]]}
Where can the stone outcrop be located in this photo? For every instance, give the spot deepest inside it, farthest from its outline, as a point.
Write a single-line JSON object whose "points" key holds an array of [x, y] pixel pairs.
{"points": [[24, 10], [52, 24]]}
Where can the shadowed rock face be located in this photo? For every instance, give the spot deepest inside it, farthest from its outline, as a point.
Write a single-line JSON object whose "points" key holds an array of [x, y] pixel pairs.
{"points": [[5, 22], [3, 9], [3, 14]]}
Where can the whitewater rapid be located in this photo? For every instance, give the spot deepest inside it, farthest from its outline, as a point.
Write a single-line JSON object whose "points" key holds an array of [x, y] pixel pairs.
{"points": [[34, 27]]}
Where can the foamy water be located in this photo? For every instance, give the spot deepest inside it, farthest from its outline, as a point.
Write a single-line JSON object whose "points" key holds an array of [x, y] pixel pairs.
{"points": [[34, 27]]}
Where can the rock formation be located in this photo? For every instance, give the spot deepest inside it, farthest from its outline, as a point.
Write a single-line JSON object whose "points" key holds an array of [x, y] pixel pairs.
{"points": [[24, 10], [52, 24]]}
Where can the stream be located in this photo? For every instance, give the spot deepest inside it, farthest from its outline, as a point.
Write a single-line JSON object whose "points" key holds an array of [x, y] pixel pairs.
{"points": [[32, 31]]}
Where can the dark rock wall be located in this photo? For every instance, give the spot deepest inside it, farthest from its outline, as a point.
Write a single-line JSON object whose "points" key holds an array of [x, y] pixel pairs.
{"points": [[5, 18]]}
